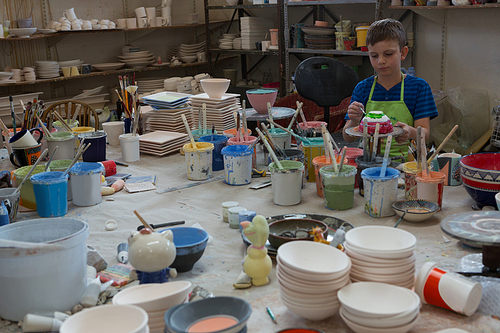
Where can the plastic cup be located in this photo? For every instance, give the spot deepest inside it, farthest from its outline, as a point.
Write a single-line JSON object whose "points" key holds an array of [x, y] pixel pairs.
{"points": [[380, 192], [51, 193], [319, 162], [65, 141], [410, 170], [311, 149], [287, 183], [62, 165], [234, 216], [113, 130], [129, 144], [11, 201], [198, 160], [219, 142], [237, 164], [431, 188], [86, 183], [27, 194], [338, 187]]}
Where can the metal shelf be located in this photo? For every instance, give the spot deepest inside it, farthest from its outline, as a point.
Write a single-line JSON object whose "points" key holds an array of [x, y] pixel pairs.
{"points": [[418, 8], [317, 3], [327, 51], [245, 52], [266, 5]]}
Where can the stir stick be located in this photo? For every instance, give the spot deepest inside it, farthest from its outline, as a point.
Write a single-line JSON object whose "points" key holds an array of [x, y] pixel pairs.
{"points": [[253, 144], [77, 112], [51, 158], [327, 152], [245, 125], [79, 153], [375, 142], [284, 129], [366, 153], [385, 162], [333, 141], [425, 166], [62, 121], [330, 148], [44, 129], [303, 117], [429, 160], [184, 120], [204, 112], [344, 150], [42, 156], [271, 151], [238, 128], [274, 145], [419, 148], [146, 225], [299, 107], [270, 114]]}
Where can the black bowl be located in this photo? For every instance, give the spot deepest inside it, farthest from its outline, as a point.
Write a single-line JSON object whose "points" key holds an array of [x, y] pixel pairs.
{"points": [[277, 228]]}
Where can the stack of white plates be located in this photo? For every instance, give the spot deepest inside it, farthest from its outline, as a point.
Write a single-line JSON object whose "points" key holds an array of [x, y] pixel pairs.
{"points": [[226, 42], [167, 119], [219, 111], [172, 52], [253, 29], [378, 308], [138, 59], [382, 254], [70, 63], [161, 143], [149, 84], [47, 69], [166, 99], [170, 84], [187, 52], [310, 275]]}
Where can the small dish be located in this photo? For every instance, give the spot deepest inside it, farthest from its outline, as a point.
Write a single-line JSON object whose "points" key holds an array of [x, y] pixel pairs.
{"points": [[288, 230], [416, 210], [22, 32]]}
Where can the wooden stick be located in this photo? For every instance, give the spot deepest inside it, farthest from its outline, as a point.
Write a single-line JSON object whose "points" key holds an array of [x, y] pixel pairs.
{"points": [[272, 143], [442, 144], [425, 167], [284, 129], [342, 159], [146, 225], [330, 149], [375, 142], [245, 125], [303, 117], [366, 153], [327, 152], [419, 148], [270, 114], [204, 112], [44, 129], [63, 122], [271, 151], [193, 144], [299, 108]]}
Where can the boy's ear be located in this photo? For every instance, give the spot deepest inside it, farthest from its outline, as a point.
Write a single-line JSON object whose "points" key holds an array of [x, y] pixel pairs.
{"points": [[404, 53]]}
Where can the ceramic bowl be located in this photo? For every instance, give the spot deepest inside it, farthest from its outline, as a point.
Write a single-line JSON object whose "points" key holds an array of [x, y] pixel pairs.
{"points": [[367, 329], [190, 243], [188, 59], [381, 239], [497, 198], [416, 210], [481, 177], [180, 318], [215, 88], [291, 227], [352, 253], [393, 321], [22, 32], [5, 75], [311, 313], [259, 98]]}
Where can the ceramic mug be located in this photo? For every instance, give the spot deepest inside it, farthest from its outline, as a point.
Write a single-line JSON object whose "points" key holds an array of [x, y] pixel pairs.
{"points": [[131, 23], [121, 23], [140, 12], [25, 138], [151, 16], [202, 56], [448, 163], [70, 14], [159, 21], [74, 71], [66, 71], [86, 68], [25, 156], [142, 22]]}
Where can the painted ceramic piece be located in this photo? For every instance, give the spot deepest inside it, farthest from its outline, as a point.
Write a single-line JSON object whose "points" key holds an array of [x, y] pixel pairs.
{"points": [[416, 210], [295, 229]]}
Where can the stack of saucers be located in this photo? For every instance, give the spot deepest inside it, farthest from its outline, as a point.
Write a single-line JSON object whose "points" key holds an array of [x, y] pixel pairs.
{"points": [[219, 111], [226, 42], [382, 254], [378, 307], [138, 59], [150, 84], [47, 69], [310, 275]]}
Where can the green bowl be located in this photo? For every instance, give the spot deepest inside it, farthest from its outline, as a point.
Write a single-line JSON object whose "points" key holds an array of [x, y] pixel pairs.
{"points": [[297, 227]]}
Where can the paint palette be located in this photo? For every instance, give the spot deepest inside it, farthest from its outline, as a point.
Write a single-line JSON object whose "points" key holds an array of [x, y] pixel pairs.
{"points": [[219, 112], [161, 143]]}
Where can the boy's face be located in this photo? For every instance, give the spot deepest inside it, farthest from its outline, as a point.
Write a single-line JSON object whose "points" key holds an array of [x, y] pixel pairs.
{"points": [[385, 57]]}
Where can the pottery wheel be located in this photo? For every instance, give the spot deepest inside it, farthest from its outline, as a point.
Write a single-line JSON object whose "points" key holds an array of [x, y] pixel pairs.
{"points": [[480, 229], [278, 113], [354, 131]]}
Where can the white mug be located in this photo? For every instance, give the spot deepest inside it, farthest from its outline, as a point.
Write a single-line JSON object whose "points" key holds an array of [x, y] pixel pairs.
{"points": [[166, 14], [151, 16], [265, 45], [104, 22], [121, 23], [70, 14], [131, 23], [140, 12], [142, 22], [159, 21]]}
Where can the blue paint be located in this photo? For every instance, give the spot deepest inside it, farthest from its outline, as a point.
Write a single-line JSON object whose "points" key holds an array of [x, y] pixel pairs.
{"points": [[380, 192], [97, 150], [246, 215], [51, 193], [219, 142], [261, 91], [161, 276], [4, 214], [190, 243], [237, 164], [86, 168]]}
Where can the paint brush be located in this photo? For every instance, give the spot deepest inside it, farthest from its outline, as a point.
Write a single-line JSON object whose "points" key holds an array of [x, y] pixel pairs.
{"points": [[213, 132], [245, 125], [303, 117], [366, 152], [44, 129], [429, 160], [188, 130], [132, 90], [419, 149], [13, 114], [425, 166], [342, 159], [330, 148], [25, 116], [270, 114], [238, 123], [327, 152], [77, 112], [386, 156], [143, 221], [271, 151], [200, 119], [62, 121], [272, 143], [253, 144], [299, 107], [301, 138], [333, 141], [50, 158], [375, 142], [42, 156], [204, 111], [80, 151]]}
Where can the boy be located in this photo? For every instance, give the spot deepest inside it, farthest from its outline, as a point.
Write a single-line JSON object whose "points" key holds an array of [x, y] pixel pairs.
{"points": [[406, 100]]}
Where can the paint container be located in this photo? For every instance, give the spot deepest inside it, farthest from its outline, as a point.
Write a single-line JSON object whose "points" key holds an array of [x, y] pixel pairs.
{"points": [[311, 149], [97, 150], [380, 192], [234, 216], [250, 140], [66, 143], [448, 290], [86, 183], [62, 165], [410, 170], [84, 129], [60, 128], [109, 168], [225, 206], [431, 188], [338, 187], [311, 129], [319, 162], [291, 155], [113, 131], [197, 134], [219, 142], [352, 154], [246, 215], [11, 202], [282, 138], [237, 164], [199, 160], [129, 144], [48, 271], [232, 132], [51, 193], [27, 194], [287, 183], [448, 163], [361, 165]]}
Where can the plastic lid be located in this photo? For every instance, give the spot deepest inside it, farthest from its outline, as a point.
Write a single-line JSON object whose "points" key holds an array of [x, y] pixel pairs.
{"points": [[51, 177], [86, 168]]}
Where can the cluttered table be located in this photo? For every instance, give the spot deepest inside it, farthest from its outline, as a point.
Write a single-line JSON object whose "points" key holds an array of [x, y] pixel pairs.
{"points": [[221, 264]]}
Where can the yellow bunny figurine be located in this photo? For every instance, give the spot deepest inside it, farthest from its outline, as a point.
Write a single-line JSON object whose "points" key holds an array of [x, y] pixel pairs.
{"points": [[257, 263]]}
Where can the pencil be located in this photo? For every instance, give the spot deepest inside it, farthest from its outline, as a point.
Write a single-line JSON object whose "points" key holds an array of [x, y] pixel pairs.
{"points": [[268, 309]]}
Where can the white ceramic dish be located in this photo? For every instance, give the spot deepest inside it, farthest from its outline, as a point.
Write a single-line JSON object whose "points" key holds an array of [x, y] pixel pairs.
{"points": [[352, 253], [381, 238], [5, 75], [365, 263], [365, 329], [22, 32], [392, 279], [334, 302], [326, 296], [382, 322], [304, 285], [313, 276], [314, 314], [381, 270], [108, 66]]}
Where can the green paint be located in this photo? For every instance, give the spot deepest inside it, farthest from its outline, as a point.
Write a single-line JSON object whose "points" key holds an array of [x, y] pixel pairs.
{"points": [[59, 165], [338, 188]]}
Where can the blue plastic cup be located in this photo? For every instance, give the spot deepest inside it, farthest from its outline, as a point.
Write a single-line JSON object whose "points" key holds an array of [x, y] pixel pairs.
{"points": [[51, 193], [219, 142]]}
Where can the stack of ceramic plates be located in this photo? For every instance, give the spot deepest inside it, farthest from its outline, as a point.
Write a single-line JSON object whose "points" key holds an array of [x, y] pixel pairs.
{"points": [[314, 30], [310, 275], [319, 42], [138, 59], [378, 307], [226, 42], [166, 99], [167, 119], [161, 143], [172, 52], [219, 111], [187, 52], [47, 69], [170, 84], [70, 63], [237, 43], [382, 254], [253, 29], [149, 84]]}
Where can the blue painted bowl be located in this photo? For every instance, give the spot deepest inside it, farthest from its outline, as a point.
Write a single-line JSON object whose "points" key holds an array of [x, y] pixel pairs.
{"points": [[481, 177], [190, 243]]}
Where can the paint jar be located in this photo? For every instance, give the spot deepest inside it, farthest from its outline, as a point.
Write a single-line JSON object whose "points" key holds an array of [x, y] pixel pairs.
{"points": [[248, 142], [448, 163], [66, 143], [97, 150], [86, 183], [410, 170], [219, 142], [339, 39], [282, 138], [225, 206], [351, 154], [318, 163], [380, 192], [129, 144], [62, 165], [60, 128], [199, 160], [338, 187], [113, 131], [246, 215], [237, 164], [287, 183], [312, 148], [234, 216], [51, 193], [11, 201], [365, 165], [84, 129], [232, 132], [197, 134], [311, 129], [291, 155], [27, 194], [431, 188]]}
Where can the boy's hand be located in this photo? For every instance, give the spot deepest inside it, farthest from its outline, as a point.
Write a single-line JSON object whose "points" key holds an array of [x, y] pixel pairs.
{"points": [[406, 132], [355, 112]]}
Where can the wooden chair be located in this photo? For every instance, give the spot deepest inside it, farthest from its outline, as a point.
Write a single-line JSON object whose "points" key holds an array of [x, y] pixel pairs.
{"points": [[68, 108]]}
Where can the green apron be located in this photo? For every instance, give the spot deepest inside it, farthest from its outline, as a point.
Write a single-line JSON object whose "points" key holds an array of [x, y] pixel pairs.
{"points": [[396, 111]]}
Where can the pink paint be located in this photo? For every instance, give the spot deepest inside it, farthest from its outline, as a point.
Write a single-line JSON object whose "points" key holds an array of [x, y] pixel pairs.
{"points": [[212, 324], [431, 187]]}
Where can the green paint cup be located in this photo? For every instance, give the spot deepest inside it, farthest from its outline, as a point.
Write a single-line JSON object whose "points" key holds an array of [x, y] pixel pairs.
{"points": [[338, 187]]}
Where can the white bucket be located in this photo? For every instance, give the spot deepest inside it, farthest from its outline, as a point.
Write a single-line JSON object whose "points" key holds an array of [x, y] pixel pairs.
{"points": [[199, 160], [380, 192], [113, 131], [65, 141], [287, 183], [130, 147], [86, 183], [237, 164], [47, 271]]}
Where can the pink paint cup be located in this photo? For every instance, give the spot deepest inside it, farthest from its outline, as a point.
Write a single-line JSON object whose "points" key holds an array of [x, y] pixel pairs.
{"points": [[431, 187]]}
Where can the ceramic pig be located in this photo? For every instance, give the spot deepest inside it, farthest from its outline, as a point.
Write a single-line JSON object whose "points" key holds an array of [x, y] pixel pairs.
{"points": [[151, 253]]}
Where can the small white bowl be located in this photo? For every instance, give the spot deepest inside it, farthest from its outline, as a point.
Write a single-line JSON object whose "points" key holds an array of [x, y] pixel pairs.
{"points": [[215, 88], [352, 253], [379, 240], [366, 329], [382, 322], [314, 313], [381, 270], [5, 75], [303, 285], [22, 32]]}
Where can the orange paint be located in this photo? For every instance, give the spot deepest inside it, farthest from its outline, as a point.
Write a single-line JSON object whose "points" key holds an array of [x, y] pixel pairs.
{"points": [[212, 324]]}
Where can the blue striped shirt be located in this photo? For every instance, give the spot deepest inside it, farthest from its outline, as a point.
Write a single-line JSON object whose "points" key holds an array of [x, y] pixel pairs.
{"points": [[417, 95]]}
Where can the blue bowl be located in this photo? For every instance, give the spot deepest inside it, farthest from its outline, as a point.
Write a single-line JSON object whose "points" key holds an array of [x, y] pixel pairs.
{"points": [[190, 243]]}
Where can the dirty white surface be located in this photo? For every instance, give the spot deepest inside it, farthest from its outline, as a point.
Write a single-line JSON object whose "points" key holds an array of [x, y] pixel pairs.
{"points": [[220, 265]]}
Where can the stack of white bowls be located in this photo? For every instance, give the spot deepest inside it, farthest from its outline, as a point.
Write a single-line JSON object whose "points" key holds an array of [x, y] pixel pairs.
{"points": [[309, 275], [371, 307], [155, 299], [170, 84], [237, 43], [226, 42], [382, 254]]}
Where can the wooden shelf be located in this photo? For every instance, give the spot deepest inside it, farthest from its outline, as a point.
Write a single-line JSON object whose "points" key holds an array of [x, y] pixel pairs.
{"points": [[321, 51], [245, 52], [316, 3]]}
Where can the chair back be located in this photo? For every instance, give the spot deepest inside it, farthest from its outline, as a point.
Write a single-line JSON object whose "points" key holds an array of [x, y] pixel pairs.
{"points": [[68, 108]]}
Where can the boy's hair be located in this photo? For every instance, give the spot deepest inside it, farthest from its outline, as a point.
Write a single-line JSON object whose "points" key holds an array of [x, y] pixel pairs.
{"points": [[386, 29]]}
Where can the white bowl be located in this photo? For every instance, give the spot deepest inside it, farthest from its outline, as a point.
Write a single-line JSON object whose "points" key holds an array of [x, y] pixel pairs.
{"points": [[309, 301], [366, 329], [188, 59], [391, 279], [382, 270], [408, 285], [314, 313], [352, 253], [381, 239], [215, 88], [386, 322], [22, 32], [304, 285], [324, 297], [312, 276], [5, 75], [393, 262], [107, 318]]}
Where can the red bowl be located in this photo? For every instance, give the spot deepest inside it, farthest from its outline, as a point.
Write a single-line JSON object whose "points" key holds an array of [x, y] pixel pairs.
{"points": [[258, 98], [481, 177]]}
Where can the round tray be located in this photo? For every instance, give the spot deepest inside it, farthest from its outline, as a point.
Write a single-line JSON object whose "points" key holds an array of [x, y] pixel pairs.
{"points": [[475, 228], [332, 222], [354, 131]]}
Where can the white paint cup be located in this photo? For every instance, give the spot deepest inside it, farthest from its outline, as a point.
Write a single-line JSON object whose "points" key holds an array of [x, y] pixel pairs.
{"points": [[36, 323], [159, 21], [380, 192], [151, 16], [86, 183], [66, 143], [70, 14], [129, 144], [198, 160], [287, 183], [225, 209], [113, 131], [131, 23], [121, 23], [234, 216], [25, 139]]}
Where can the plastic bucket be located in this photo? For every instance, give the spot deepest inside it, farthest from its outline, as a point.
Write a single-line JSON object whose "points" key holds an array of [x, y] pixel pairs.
{"points": [[27, 194], [282, 138], [338, 188], [361, 35], [198, 160], [431, 188], [380, 192], [130, 147], [51, 193], [287, 183], [62, 165], [410, 170], [248, 142], [318, 163], [86, 183], [97, 150], [311, 149], [66, 143], [339, 39], [47, 272], [60, 128], [219, 142], [237, 164], [11, 201], [113, 131]]}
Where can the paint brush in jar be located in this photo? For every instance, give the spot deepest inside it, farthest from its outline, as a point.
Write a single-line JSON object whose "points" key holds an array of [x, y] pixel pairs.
{"points": [[425, 166], [188, 130], [330, 148], [342, 159], [213, 132], [279, 152], [271, 151], [13, 114], [245, 125], [419, 148], [299, 107], [301, 138], [42, 156]]}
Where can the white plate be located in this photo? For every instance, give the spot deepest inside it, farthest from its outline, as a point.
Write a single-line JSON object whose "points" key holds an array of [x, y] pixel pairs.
{"points": [[108, 66], [47, 31]]}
